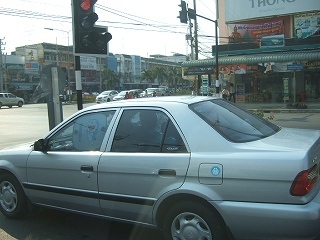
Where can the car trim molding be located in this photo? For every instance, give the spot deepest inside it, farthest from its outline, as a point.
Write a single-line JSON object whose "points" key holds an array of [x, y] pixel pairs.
{"points": [[91, 194]]}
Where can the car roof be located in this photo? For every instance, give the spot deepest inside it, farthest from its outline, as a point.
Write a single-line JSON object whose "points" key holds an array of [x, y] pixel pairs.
{"points": [[156, 101]]}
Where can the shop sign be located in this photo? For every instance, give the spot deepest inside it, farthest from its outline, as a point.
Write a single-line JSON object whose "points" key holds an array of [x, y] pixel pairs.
{"points": [[312, 64], [240, 89], [306, 24], [255, 32], [294, 67], [285, 89], [197, 71], [253, 9], [88, 63]]}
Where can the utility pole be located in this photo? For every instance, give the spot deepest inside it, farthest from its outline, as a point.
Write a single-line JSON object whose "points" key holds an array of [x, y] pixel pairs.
{"points": [[1, 64], [196, 48]]}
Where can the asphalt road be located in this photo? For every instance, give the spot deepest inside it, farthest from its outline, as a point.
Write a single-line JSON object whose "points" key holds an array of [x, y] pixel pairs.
{"points": [[29, 123]]}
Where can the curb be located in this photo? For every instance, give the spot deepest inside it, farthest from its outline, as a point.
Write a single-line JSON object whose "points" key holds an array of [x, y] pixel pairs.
{"points": [[286, 110]]}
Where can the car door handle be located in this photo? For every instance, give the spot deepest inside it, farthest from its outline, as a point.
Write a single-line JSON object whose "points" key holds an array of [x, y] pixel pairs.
{"points": [[167, 172], [86, 168]]}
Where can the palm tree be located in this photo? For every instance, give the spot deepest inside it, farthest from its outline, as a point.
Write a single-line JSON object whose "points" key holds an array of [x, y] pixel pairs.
{"points": [[175, 76], [147, 75], [111, 78], [160, 74]]}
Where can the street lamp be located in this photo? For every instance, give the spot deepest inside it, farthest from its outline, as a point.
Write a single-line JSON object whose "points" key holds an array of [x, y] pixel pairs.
{"points": [[68, 70], [54, 29]]}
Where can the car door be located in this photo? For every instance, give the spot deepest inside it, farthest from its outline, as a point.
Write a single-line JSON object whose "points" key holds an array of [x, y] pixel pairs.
{"points": [[146, 158], [65, 176], [5, 99], [12, 99]]}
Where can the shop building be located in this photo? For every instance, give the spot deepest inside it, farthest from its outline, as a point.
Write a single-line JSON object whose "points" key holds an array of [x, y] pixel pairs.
{"points": [[23, 69], [270, 50]]}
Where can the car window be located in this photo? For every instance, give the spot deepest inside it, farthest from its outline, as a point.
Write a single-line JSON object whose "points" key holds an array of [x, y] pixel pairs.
{"points": [[10, 95], [1, 95], [233, 123], [144, 130], [85, 133]]}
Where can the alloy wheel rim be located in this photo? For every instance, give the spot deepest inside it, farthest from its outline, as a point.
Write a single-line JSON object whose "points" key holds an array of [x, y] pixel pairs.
{"points": [[190, 226], [8, 197]]}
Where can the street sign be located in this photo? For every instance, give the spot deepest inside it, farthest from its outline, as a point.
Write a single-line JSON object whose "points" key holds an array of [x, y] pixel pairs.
{"points": [[294, 67]]}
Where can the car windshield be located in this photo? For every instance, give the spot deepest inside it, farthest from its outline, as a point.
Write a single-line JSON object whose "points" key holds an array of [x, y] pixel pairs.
{"points": [[232, 122], [149, 90], [106, 92], [122, 93]]}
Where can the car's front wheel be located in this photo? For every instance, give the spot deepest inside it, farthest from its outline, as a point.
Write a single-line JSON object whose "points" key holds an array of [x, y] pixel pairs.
{"points": [[189, 220], [20, 104], [13, 202]]}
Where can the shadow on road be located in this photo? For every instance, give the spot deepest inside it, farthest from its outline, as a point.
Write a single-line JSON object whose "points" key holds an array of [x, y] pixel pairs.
{"points": [[57, 225]]}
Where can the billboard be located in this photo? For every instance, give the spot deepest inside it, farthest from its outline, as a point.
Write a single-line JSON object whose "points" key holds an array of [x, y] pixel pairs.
{"points": [[236, 10], [306, 24], [239, 33]]}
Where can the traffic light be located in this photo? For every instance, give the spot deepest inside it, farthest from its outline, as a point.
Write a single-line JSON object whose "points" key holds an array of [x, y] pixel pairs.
{"points": [[88, 38], [183, 14]]}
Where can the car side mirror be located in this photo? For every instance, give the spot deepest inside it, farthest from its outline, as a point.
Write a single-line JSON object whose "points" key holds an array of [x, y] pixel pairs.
{"points": [[40, 145]]}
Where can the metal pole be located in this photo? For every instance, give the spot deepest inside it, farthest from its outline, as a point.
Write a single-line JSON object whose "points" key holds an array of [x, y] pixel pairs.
{"points": [[1, 71], [217, 44], [196, 45], [216, 53], [57, 52], [78, 82]]}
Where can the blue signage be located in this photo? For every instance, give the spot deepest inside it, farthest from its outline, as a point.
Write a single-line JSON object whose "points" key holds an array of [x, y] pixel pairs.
{"points": [[294, 67]]}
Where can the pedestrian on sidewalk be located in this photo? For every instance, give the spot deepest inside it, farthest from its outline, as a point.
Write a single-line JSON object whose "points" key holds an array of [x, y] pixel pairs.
{"points": [[232, 92]]}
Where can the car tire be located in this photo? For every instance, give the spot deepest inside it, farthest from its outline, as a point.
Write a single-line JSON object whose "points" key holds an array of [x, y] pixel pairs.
{"points": [[13, 202], [191, 220], [108, 100], [9, 106], [20, 104], [0, 104]]}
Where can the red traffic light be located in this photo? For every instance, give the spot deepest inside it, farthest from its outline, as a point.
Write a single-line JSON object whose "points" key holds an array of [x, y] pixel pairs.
{"points": [[87, 4]]}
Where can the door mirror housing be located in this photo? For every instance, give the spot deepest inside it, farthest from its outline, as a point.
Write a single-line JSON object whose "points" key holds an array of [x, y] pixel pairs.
{"points": [[40, 145]]}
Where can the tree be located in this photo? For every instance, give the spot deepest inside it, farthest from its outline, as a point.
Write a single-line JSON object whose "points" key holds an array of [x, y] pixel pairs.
{"points": [[110, 78], [175, 76], [147, 75], [160, 74]]}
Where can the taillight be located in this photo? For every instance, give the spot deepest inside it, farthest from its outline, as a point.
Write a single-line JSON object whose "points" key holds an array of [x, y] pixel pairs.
{"points": [[304, 181]]}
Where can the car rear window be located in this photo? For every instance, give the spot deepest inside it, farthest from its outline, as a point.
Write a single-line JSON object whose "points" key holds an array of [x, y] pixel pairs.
{"points": [[232, 122]]}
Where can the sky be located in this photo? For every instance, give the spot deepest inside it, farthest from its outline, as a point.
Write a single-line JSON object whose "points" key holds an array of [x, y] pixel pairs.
{"points": [[138, 27]]}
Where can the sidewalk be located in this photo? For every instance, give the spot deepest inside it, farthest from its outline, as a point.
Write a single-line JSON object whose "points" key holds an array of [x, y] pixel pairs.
{"points": [[312, 107]]}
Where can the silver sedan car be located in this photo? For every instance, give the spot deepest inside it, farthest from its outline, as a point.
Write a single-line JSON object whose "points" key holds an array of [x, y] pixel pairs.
{"points": [[195, 167]]}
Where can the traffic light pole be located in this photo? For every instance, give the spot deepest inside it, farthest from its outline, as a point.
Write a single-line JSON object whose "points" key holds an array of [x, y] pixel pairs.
{"points": [[78, 82], [216, 38]]}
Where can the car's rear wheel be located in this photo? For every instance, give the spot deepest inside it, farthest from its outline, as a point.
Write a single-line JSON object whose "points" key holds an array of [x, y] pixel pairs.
{"points": [[189, 220], [20, 104], [13, 203], [0, 104]]}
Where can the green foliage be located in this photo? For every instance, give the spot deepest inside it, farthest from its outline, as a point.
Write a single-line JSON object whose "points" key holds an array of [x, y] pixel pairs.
{"points": [[85, 99], [262, 115]]}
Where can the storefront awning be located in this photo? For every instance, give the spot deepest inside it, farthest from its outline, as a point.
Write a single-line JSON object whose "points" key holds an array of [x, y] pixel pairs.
{"points": [[256, 58]]}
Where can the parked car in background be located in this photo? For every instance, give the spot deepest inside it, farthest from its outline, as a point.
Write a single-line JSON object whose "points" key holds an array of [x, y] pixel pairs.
{"points": [[9, 99], [196, 167], [95, 93], [126, 94], [149, 92], [136, 92], [106, 96], [163, 91]]}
